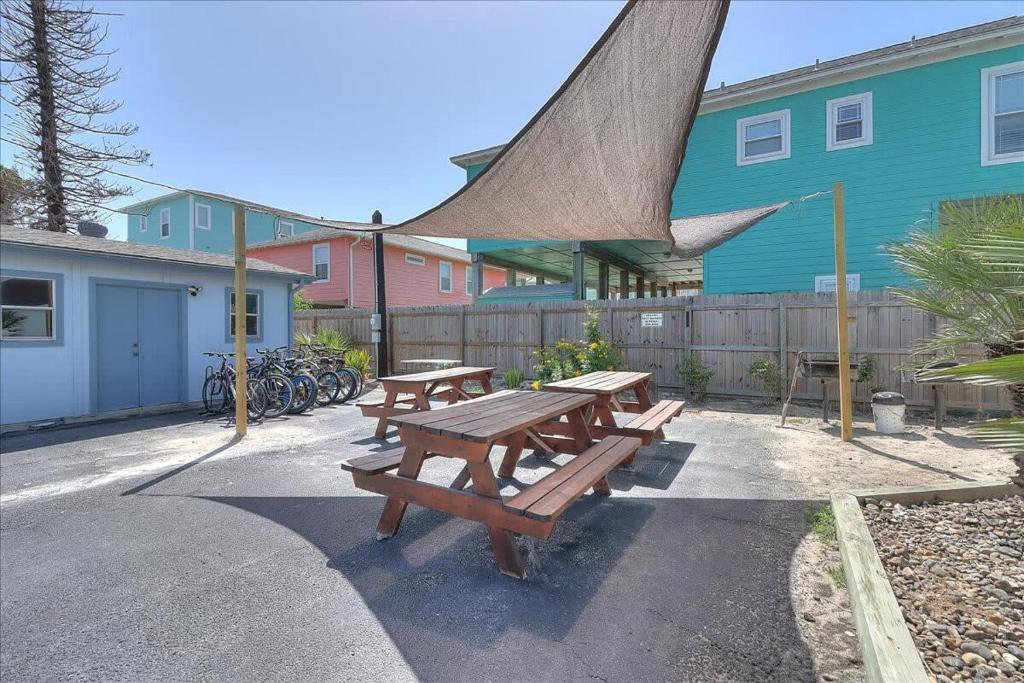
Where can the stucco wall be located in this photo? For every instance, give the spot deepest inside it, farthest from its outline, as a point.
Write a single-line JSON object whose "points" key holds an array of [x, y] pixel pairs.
{"points": [[49, 381]]}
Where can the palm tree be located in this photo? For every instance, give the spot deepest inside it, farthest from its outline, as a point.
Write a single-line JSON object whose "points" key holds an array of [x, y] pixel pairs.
{"points": [[970, 273]]}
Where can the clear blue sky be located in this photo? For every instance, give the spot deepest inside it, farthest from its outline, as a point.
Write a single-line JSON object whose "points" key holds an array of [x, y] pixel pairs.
{"points": [[338, 108]]}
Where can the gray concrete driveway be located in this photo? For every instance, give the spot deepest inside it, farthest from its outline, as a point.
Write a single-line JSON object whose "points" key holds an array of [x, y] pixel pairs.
{"points": [[159, 549]]}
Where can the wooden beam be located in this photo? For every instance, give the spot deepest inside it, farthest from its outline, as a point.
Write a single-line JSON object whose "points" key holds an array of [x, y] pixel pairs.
{"points": [[579, 276], [510, 277], [623, 284], [478, 276], [842, 317], [602, 280], [241, 407], [639, 286]]}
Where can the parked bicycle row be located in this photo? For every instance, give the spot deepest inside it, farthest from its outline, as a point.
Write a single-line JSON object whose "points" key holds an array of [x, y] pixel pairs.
{"points": [[278, 382]]}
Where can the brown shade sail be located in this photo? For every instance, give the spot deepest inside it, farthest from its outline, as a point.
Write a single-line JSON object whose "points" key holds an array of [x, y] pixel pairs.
{"points": [[695, 235], [600, 159]]}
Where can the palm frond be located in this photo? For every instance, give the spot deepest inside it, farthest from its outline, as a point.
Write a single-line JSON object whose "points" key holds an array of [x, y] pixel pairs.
{"points": [[993, 372]]}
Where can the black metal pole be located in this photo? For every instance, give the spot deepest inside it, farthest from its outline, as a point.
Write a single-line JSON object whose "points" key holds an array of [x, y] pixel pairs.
{"points": [[381, 307]]}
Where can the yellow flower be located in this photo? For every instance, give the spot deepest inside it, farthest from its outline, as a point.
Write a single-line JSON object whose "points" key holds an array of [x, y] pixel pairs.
{"points": [[535, 385]]}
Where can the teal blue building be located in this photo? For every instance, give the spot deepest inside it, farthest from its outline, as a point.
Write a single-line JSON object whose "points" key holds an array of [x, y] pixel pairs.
{"points": [[204, 221], [906, 128]]}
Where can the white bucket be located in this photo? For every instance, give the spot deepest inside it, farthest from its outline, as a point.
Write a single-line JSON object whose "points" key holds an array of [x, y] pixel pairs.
{"points": [[888, 408]]}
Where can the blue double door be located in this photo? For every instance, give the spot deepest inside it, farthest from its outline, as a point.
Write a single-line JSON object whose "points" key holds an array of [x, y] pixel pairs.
{"points": [[139, 346]]}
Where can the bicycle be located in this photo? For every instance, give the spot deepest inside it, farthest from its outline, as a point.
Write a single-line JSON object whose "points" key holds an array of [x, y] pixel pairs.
{"points": [[219, 390], [305, 384], [280, 389], [351, 379]]}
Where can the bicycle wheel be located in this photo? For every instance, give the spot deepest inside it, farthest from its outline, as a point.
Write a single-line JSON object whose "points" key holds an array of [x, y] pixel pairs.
{"points": [[305, 393], [328, 386], [215, 395], [349, 385], [256, 401], [280, 392]]}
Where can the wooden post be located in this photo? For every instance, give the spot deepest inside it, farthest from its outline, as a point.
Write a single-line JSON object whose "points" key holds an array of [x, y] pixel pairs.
{"points": [[783, 350], [654, 289], [639, 286], [510, 278], [381, 306], [602, 280], [623, 284], [477, 268], [842, 317], [241, 407]]}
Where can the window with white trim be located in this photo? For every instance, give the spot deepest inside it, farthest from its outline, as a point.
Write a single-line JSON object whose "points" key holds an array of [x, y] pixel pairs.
{"points": [[849, 122], [827, 283], [764, 137], [322, 262], [445, 277], [165, 223], [469, 280], [143, 223], [415, 259], [28, 309], [285, 229], [1002, 114], [252, 315], [202, 217]]}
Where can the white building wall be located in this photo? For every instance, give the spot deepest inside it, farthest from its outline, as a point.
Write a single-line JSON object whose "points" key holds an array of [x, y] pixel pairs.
{"points": [[45, 382]]}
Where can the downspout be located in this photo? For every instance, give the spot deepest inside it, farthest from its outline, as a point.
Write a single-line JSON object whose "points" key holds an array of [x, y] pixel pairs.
{"points": [[351, 269]]}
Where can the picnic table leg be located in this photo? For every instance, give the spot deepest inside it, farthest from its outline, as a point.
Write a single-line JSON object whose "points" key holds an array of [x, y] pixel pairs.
{"points": [[580, 430], [394, 509], [456, 390], [643, 396], [422, 402], [506, 552], [603, 413], [390, 396], [485, 384], [461, 479], [512, 454]]}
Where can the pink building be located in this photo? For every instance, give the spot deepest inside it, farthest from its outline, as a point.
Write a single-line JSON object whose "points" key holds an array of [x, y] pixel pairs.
{"points": [[417, 272]]}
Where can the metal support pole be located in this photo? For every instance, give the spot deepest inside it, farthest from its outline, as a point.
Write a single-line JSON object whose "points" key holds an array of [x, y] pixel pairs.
{"points": [[602, 280], [842, 317], [579, 279], [241, 407], [381, 304]]}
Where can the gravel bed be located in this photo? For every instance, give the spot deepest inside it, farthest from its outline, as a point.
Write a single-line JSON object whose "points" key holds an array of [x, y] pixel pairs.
{"points": [[958, 574]]}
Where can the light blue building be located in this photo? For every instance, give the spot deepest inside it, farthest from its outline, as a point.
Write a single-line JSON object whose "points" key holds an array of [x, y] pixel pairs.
{"points": [[204, 221], [906, 128]]}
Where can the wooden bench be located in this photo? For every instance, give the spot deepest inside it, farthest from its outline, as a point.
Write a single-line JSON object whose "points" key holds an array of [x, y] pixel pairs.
{"points": [[546, 500], [375, 463], [648, 424]]}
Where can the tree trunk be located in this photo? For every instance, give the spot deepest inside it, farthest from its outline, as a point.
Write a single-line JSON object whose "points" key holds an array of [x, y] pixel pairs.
{"points": [[53, 179]]}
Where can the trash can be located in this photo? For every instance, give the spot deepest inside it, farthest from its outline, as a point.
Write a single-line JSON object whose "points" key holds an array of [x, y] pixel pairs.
{"points": [[888, 408]]}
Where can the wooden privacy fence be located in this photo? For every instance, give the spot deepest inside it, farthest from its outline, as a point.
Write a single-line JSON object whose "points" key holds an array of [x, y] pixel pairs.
{"points": [[727, 332]]}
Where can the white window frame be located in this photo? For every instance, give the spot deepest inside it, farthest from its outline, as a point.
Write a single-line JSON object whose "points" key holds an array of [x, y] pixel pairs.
{"points": [[52, 308], [469, 280], [209, 216], [741, 125], [415, 259], [822, 281], [165, 219], [988, 115], [327, 246], [281, 234], [440, 277], [143, 223], [866, 128], [258, 315]]}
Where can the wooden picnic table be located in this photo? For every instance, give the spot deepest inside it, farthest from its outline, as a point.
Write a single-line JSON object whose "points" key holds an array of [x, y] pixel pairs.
{"points": [[468, 431], [606, 387], [411, 393]]}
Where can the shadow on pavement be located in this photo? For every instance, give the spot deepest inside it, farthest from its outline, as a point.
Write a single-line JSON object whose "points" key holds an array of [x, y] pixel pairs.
{"points": [[70, 433], [181, 468], [642, 588]]}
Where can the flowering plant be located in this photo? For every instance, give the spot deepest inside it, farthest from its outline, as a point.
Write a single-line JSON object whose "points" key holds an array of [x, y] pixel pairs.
{"points": [[570, 358]]}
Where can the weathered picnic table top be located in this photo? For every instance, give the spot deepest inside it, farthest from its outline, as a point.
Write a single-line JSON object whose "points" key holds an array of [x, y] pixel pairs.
{"points": [[492, 417], [431, 361], [603, 382], [439, 375]]}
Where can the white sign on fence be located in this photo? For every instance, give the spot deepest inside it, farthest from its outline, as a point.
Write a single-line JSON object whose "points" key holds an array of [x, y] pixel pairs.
{"points": [[651, 319]]}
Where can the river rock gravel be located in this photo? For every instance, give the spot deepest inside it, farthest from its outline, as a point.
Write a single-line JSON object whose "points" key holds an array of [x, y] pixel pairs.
{"points": [[958, 574]]}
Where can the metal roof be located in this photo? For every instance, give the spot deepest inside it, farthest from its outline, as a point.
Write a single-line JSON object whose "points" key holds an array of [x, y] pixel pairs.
{"points": [[406, 242], [820, 70], [62, 241]]}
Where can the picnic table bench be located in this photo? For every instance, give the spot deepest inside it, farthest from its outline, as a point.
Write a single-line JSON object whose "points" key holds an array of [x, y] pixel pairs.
{"points": [[411, 393], [606, 386], [468, 431]]}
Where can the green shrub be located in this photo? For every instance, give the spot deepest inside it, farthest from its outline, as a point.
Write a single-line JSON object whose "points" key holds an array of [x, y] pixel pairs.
{"points": [[513, 378], [696, 376], [823, 522], [569, 358], [358, 360], [300, 302], [301, 339], [768, 375], [866, 368]]}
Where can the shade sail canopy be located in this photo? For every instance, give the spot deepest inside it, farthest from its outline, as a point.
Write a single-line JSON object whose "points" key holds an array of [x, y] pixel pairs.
{"points": [[697, 234], [600, 159]]}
